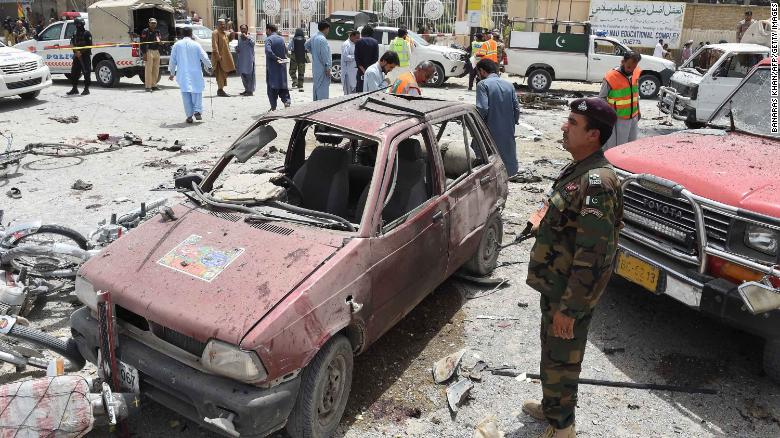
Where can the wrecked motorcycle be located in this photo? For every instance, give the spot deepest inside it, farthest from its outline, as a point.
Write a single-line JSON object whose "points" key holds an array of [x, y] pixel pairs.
{"points": [[61, 406], [21, 346]]}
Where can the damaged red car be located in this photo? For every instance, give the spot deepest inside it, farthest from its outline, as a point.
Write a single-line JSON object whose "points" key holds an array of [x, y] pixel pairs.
{"points": [[242, 310]]}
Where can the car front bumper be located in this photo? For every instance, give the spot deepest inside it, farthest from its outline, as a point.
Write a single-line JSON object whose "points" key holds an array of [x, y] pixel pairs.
{"points": [[669, 101], [21, 83], [190, 392], [715, 297], [454, 69]]}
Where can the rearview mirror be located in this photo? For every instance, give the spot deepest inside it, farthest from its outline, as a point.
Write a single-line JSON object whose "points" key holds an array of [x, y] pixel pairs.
{"points": [[247, 147]]}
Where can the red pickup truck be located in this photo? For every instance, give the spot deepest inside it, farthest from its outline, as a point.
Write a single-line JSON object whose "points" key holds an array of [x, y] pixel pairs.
{"points": [[702, 214]]}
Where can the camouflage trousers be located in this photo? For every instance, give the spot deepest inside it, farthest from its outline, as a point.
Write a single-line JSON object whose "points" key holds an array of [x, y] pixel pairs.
{"points": [[560, 366]]}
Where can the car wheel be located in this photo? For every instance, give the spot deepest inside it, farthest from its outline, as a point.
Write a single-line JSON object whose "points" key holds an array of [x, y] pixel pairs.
{"points": [[485, 257], [772, 359], [31, 95], [325, 386], [649, 86], [438, 77], [335, 71], [106, 74], [142, 76], [539, 80]]}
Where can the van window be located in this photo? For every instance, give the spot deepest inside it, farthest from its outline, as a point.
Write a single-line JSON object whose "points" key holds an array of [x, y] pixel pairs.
{"points": [[52, 32], [738, 65], [705, 59], [606, 47]]}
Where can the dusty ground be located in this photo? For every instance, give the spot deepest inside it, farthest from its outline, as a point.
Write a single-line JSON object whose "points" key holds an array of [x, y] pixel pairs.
{"points": [[635, 336]]}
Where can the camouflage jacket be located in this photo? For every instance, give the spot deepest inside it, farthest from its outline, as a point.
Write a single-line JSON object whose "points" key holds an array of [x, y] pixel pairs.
{"points": [[573, 257]]}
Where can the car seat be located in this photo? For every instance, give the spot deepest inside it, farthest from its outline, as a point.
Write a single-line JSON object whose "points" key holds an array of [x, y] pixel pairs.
{"points": [[324, 180]]}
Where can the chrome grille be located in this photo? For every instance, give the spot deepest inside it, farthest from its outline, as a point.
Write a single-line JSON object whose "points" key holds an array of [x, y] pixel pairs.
{"points": [[677, 215], [682, 90], [19, 68]]}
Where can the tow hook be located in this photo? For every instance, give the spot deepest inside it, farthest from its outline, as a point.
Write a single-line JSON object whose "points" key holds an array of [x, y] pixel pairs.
{"points": [[224, 424], [354, 306]]}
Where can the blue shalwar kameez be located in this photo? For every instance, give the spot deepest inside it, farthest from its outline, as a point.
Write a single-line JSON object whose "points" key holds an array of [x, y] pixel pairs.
{"points": [[246, 62], [275, 71], [498, 106], [320, 65], [185, 64]]}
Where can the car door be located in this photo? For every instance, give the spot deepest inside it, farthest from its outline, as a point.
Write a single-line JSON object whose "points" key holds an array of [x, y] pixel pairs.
{"points": [[721, 80], [408, 253], [465, 173], [604, 56], [48, 47]]}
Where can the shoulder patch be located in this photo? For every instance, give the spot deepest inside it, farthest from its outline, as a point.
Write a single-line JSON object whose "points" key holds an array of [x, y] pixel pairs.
{"points": [[571, 187], [592, 201], [594, 179], [590, 210]]}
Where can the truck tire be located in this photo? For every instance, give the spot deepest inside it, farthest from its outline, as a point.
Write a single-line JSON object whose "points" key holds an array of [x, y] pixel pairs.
{"points": [[106, 73], [325, 386], [31, 95], [649, 86], [539, 80], [485, 258], [335, 69], [772, 359], [438, 77]]}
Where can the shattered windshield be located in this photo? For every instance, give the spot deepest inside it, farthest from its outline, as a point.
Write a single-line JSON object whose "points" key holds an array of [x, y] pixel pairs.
{"points": [[704, 60], [748, 106]]}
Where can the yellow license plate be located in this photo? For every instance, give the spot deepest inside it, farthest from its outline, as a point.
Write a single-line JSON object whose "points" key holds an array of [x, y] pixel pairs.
{"points": [[638, 271]]}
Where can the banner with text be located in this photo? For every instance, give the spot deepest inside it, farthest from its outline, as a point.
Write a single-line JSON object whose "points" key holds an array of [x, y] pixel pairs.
{"points": [[639, 23]]}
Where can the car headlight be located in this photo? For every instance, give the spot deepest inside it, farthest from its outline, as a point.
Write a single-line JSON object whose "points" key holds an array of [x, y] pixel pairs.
{"points": [[231, 361], [762, 239], [86, 293], [452, 56], [40, 62]]}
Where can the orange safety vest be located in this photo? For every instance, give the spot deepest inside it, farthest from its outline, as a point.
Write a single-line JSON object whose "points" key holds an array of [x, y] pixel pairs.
{"points": [[404, 83], [491, 51], [623, 95]]}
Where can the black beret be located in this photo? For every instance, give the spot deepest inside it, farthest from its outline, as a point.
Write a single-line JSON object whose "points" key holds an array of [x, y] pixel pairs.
{"points": [[595, 108]]}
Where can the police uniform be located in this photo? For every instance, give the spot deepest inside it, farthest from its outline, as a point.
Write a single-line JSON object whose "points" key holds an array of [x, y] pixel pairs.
{"points": [[571, 263], [82, 58]]}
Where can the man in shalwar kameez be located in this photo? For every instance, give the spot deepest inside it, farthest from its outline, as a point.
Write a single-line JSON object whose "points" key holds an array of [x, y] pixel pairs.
{"points": [[276, 67], [246, 60], [320, 62], [185, 65], [348, 65]]}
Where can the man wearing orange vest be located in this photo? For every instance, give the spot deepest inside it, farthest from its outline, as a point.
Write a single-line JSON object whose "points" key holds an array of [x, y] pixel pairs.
{"points": [[491, 48], [408, 83], [621, 91]]}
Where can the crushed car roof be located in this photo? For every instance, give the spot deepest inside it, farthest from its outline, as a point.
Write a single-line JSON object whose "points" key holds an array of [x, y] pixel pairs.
{"points": [[372, 113]]}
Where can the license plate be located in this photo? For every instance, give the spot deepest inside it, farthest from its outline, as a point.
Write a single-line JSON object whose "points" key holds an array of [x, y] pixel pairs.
{"points": [[638, 271], [128, 378]]}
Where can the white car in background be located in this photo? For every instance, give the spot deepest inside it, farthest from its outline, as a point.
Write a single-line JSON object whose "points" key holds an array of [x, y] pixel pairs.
{"points": [[202, 35], [22, 73]]}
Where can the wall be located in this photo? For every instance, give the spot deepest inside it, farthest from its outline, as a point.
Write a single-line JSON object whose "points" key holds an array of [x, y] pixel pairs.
{"points": [[548, 9]]}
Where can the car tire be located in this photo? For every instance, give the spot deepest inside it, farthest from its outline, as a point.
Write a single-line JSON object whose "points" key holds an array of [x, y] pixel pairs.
{"points": [[539, 80], [31, 95], [142, 76], [771, 360], [649, 86], [335, 70], [485, 258], [438, 77], [325, 386], [106, 74]]}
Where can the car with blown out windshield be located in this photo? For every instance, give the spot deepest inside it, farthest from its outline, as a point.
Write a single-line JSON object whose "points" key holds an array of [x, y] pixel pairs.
{"points": [[702, 214], [242, 308]]}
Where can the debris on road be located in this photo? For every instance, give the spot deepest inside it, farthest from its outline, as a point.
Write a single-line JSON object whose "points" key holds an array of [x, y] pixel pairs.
{"points": [[81, 185], [103, 137], [545, 101], [612, 350], [66, 120], [532, 189], [14, 193], [508, 372], [485, 281], [487, 428], [445, 367], [498, 318], [525, 176], [458, 392]]}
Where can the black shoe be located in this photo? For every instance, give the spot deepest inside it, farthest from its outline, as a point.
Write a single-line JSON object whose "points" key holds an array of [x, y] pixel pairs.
{"points": [[189, 120], [198, 116], [300, 90], [155, 89], [221, 93], [243, 93], [249, 94], [85, 92], [148, 90], [73, 91]]}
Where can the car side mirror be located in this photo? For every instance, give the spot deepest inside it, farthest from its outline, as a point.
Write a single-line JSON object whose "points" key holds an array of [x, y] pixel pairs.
{"points": [[247, 146], [185, 181]]}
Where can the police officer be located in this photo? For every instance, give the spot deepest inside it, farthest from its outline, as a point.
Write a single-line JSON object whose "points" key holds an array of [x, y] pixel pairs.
{"points": [[150, 49], [82, 58], [571, 262]]}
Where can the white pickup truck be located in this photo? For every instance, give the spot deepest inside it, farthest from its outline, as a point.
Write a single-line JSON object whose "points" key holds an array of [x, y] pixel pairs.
{"points": [[116, 22], [711, 74], [546, 57]]}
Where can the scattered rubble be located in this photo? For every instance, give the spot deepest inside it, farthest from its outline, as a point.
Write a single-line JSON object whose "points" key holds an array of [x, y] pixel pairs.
{"points": [[14, 193], [445, 367], [81, 185], [546, 101], [525, 176], [487, 428], [66, 120], [458, 392]]}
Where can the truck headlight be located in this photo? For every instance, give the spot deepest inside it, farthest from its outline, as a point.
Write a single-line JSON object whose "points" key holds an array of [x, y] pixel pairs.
{"points": [[761, 239], [86, 293], [452, 56], [231, 361]]}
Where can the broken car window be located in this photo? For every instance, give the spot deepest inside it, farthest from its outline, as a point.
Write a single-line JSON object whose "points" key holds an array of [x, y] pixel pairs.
{"points": [[705, 60], [749, 106], [412, 182], [459, 148]]}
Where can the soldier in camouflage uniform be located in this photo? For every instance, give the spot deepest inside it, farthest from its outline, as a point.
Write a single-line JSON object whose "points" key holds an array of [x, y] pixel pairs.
{"points": [[573, 257]]}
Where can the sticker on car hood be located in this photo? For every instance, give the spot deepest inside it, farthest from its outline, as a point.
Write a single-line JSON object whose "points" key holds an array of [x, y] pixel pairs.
{"points": [[200, 261]]}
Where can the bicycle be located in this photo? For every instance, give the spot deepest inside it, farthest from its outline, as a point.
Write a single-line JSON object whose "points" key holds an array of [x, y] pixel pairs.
{"points": [[20, 344]]}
